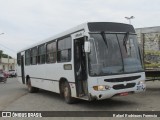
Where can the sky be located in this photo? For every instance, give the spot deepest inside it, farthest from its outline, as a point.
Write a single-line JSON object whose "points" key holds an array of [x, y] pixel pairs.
{"points": [[26, 22]]}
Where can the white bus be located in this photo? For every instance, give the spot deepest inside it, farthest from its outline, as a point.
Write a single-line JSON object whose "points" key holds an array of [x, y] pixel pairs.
{"points": [[93, 61]]}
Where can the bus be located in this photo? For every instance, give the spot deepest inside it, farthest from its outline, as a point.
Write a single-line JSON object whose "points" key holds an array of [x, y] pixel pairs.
{"points": [[93, 61]]}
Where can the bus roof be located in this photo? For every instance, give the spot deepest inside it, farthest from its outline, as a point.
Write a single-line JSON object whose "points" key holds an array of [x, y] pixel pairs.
{"points": [[110, 27], [90, 27]]}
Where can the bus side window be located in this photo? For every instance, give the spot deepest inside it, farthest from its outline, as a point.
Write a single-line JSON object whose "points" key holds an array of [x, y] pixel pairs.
{"points": [[19, 59], [27, 57], [64, 50], [51, 52], [34, 56], [41, 54]]}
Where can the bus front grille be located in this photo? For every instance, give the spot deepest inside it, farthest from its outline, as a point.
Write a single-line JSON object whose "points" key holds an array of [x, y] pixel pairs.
{"points": [[123, 79], [122, 86]]}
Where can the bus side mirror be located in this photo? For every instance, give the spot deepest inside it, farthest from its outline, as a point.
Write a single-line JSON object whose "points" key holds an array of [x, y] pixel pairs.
{"points": [[87, 46]]}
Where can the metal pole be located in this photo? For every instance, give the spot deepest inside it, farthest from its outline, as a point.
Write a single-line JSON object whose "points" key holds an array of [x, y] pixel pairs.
{"points": [[8, 62], [129, 18], [143, 39], [129, 21]]}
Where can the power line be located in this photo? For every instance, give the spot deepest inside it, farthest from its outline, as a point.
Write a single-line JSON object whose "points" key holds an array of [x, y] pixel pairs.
{"points": [[8, 48]]}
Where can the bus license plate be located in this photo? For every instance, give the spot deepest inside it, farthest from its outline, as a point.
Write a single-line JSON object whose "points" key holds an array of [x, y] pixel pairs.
{"points": [[124, 94]]}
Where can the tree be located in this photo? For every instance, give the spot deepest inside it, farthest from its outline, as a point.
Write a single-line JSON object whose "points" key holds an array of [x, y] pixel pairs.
{"points": [[1, 53], [4, 55]]}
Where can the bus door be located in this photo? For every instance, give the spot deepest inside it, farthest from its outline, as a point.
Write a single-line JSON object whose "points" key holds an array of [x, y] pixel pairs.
{"points": [[22, 69], [80, 67]]}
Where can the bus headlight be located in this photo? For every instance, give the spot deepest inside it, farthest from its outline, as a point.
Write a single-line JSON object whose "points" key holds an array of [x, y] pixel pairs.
{"points": [[141, 82], [101, 87]]}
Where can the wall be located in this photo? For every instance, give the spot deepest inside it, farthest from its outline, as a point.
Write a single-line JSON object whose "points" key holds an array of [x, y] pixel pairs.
{"points": [[8, 64], [149, 40]]}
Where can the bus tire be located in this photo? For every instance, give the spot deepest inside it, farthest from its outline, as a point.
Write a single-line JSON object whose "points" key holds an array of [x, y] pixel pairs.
{"points": [[67, 93], [30, 88]]}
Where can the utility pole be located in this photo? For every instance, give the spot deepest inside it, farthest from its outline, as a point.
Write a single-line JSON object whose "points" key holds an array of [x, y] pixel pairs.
{"points": [[8, 62], [2, 52]]}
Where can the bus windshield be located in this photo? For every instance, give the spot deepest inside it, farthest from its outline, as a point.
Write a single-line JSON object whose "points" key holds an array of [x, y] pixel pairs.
{"points": [[114, 54]]}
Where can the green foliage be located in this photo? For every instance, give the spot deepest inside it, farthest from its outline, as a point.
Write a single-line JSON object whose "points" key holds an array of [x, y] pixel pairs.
{"points": [[152, 52]]}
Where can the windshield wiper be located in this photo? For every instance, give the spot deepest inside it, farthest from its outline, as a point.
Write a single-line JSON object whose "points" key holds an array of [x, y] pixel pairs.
{"points": [[104, 38], [125, 40]]}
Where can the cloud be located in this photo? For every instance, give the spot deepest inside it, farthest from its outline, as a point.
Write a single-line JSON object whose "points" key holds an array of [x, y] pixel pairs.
{"points": [[26, 22]]}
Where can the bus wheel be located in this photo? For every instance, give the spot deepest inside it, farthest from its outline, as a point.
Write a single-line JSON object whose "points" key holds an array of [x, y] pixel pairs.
{"points": [[30, 88], [67, 94]]}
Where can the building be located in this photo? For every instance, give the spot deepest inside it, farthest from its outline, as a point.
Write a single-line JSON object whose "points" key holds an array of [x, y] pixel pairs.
{"points": [[8, 64]]}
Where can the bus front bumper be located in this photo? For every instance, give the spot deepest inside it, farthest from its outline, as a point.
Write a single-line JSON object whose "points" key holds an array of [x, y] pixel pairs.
{"points": [[100, 95]]}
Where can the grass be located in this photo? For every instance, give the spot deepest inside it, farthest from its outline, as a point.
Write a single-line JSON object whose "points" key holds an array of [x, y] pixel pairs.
{"points": [[152, 52]]}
